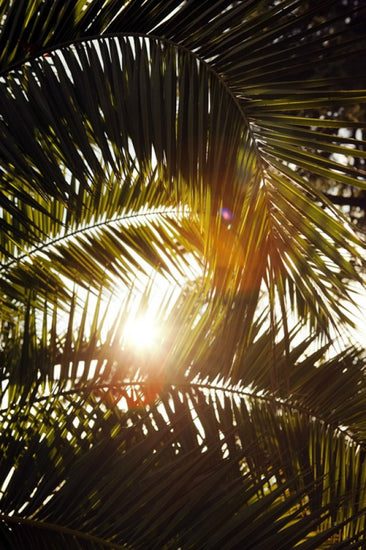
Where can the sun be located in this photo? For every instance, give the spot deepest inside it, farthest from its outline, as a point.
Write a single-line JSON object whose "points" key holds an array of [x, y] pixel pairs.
{"points": [[142, 332], [138, 317]]}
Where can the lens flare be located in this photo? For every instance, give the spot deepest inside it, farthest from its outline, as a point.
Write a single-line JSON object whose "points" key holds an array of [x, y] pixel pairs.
{"points": [[226, 214]]}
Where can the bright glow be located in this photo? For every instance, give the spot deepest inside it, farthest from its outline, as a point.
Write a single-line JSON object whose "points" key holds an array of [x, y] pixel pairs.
{"points": [[226, 214], [142, 333]]}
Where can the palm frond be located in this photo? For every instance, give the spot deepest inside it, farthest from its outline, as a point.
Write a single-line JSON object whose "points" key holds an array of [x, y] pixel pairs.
{"points": [[188, 144], [174, 456], [191, 98]]}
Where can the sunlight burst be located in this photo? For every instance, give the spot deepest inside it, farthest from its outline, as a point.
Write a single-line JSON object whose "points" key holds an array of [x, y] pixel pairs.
{"points": [[142, 332]]}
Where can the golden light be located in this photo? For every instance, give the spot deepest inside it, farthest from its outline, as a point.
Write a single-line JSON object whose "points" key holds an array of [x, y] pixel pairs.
{"points": [[143, 332]]}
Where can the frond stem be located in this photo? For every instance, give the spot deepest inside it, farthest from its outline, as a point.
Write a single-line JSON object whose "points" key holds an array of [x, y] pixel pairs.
{"points": [[89, 228], [239, 392], [60, 529]]}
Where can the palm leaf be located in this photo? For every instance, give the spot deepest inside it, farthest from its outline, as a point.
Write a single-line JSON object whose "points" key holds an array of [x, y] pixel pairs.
{"points": [[180, 142], [184, 164], [276, 460], [180, 475]]}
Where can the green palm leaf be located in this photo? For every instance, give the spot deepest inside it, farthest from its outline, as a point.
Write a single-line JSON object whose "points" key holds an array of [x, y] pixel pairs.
{"points": [[185, 157], [170, 157], [272, 451]]}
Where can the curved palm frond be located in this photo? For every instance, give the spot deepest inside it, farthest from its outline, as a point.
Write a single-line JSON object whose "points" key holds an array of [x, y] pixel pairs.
{"points": [[285, 465], [190, 96], [179, 141]]}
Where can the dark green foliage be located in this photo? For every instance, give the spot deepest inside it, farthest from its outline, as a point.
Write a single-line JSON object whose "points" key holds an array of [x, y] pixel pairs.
{"points": [[171, 157]]}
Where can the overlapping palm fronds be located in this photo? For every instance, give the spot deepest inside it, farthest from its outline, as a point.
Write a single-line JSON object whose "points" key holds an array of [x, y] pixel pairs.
{"points": [[180, 143]]}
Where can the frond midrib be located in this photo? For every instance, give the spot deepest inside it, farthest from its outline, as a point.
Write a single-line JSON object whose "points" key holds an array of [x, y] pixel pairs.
{"points": [[176, 45], [269, 398], [61, 529], [161, 212]]}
